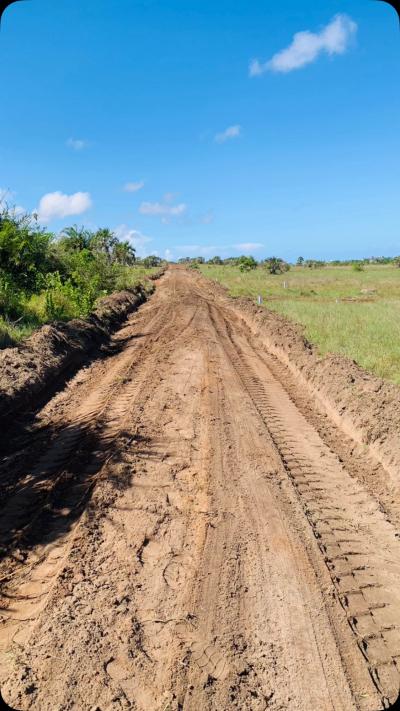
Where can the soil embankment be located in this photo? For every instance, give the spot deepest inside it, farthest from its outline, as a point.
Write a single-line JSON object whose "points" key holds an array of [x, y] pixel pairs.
{"points": [[183, 527], [29, 368]]}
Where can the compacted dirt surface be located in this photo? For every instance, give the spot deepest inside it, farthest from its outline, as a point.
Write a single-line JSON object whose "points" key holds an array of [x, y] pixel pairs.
{"points": [[182, 529]]}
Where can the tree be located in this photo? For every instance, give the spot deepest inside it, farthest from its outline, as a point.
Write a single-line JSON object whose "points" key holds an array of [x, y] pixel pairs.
{"points": [[24, 252], [151, 261], [123, 253], [74, 239], [276, 265], [246, 264], [215, 260], [300, 261], [104, 242]]}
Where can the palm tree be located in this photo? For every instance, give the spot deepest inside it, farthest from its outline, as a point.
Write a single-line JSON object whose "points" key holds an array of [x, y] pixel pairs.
{"points": [[123, 253], [75, 238]]}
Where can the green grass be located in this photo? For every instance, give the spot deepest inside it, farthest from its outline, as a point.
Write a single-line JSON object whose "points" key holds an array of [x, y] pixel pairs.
{"points": [[33, 309], [329, 303]]}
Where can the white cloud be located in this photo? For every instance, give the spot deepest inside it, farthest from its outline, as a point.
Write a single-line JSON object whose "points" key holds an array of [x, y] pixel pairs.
{"points": [[228, 134], [57, 205], [248, 246], [77, 144], [136, 239], [168, 254], [162, 209], [134, 187], [170, 197], [306, 47]]}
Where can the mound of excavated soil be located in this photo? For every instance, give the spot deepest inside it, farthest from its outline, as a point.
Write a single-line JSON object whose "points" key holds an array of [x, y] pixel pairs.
{"points": [[29, 368]]}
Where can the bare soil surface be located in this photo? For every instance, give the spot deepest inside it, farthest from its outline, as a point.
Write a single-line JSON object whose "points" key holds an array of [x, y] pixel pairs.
{"points": [[182, 528]]}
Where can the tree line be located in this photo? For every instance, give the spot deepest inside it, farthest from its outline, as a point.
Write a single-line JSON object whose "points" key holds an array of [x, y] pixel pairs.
{"points": [[44, 276], [276, 265]]}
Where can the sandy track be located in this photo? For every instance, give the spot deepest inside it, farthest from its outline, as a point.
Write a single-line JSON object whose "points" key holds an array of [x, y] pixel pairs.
{"points": [[179, 533]]}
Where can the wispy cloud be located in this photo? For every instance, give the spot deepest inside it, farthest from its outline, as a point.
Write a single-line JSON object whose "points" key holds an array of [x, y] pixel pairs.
{"points": [[306, 47], [57, 205], [77, 144], [134, 187], [138, 240], [170, 197], [248, 246], [207, 217], [228, 134], [163, 209]]}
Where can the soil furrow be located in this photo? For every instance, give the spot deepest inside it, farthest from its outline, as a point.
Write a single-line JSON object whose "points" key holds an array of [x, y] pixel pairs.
{"points": [[371, 601]]}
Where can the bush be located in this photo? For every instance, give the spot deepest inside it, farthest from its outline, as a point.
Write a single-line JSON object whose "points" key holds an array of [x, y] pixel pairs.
{"points": [[44, 278], [246, 264], [151, 261], [276, 265], [24, 252]]}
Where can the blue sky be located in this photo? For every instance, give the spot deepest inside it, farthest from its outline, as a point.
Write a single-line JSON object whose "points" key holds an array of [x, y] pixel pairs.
{"points": [[202, 127]]}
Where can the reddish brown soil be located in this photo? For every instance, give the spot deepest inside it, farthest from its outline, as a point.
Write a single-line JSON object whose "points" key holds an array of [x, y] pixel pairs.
{"points": [[29, 369], [185, 528]]}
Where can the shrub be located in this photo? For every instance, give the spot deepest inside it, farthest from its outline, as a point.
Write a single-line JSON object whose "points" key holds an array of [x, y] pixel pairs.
{"points": [[276, 265], [246, 264], [24, 252], [151, 261]]}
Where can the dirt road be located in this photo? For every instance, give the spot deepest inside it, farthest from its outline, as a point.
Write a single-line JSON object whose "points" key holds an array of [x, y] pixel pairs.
{"points": [[179, 532]]}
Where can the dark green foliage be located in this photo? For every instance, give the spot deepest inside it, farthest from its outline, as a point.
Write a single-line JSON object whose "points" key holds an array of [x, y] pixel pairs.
{"points": [[246, 264], [24, 253], [275, 265], [43, 278], [151, 261]]}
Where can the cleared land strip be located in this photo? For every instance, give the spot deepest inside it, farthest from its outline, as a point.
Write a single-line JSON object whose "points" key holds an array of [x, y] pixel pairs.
{"points": [[359, 546], [185, 539]]}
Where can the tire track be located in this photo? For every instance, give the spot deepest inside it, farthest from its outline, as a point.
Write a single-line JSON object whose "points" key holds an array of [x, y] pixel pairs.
{"points": [[196, 544], [347, 534], [63, 491]]}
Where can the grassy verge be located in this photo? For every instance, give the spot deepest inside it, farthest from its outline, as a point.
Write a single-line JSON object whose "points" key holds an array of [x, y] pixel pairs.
{"points": [[353, 313], [34, 313]]}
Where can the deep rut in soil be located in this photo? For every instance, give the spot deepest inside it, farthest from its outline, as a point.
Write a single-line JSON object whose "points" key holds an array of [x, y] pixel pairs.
{"points": [[180, 535]]}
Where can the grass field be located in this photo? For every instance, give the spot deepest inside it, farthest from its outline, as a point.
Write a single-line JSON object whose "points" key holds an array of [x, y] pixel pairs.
{"points": [[343, 311]]}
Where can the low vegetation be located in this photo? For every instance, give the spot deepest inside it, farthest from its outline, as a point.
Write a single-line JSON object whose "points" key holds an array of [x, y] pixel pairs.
{"points": [[46, 277], [350, 308]]}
